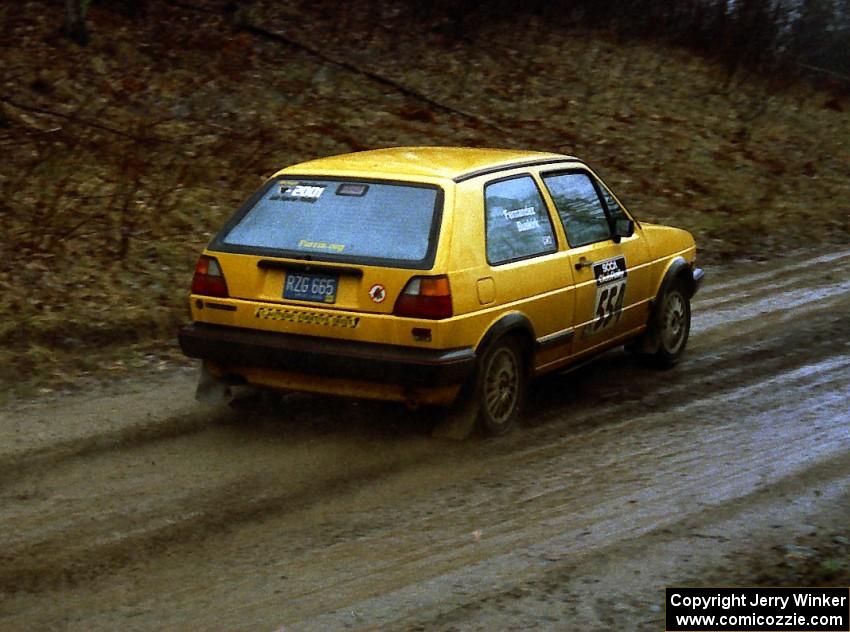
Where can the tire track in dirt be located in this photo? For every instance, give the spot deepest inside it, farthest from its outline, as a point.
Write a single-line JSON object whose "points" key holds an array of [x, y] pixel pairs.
{"points": [[207, 516], [824, 373], [710, 535], [252, 498], [14, 465], [30, 438], [504, 516], [367, 509], [751, 273], [127, 433], [31, 566]]}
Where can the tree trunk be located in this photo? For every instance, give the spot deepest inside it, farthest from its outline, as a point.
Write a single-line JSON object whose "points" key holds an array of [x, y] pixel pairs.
{"points": [[75, 21]]}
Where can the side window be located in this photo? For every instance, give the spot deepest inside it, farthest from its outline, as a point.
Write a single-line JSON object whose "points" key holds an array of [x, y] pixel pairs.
{"points": [[518, 224], [615, 211], [579, 207]]}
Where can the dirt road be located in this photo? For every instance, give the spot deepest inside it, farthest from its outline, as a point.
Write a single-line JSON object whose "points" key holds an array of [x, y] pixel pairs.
{"points": [[138, 509]]}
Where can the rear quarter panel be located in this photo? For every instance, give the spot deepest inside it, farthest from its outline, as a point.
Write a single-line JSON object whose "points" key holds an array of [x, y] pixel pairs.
{"points": [[540, 288]]}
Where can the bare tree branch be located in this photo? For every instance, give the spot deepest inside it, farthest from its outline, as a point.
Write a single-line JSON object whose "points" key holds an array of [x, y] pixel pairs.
{"points": [[826, 71], [85, 123], [403, 89]]}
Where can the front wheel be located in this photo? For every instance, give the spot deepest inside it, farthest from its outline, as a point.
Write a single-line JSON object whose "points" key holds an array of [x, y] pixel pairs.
{"points": [[672, 325], [500, 386]]}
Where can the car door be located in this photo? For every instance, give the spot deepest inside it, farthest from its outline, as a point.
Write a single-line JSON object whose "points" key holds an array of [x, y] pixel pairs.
{"points": [[611, 275]]}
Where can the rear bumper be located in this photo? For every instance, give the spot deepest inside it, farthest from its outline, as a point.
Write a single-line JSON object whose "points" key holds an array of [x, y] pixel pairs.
{"points": [[329, 358]]}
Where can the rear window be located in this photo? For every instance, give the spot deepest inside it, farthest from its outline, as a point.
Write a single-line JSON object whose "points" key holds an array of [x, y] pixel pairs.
{"points": [[334, 219]]}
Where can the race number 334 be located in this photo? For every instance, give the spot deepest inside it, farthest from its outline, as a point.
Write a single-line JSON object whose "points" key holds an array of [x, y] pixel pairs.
{"points": [[610, 292]]}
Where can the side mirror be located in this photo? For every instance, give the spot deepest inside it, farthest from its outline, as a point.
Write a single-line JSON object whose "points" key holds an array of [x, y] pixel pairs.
{"points": [[623, 227]]}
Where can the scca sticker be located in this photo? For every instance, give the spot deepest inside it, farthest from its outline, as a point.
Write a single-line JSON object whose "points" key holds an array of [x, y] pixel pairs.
{"points": [[610, 270], [610, 292]]}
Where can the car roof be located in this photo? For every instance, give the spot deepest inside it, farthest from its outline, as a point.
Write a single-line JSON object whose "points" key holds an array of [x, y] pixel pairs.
{"points": [[455, 163]]}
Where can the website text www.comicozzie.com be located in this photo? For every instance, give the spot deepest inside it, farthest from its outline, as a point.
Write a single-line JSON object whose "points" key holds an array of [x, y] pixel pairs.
{"points": [[757, 609], [792, 621]]}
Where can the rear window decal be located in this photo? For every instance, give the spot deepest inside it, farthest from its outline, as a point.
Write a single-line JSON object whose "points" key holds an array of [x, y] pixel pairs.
{"points": [[299, 192], [320, 245]]}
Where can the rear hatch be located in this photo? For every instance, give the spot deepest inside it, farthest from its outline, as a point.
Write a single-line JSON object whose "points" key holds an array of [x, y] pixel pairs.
{"points": [[334, 243]]}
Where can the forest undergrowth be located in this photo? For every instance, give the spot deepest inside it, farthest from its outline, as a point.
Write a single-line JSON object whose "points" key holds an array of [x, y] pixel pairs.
{"points": [[122, 157]]}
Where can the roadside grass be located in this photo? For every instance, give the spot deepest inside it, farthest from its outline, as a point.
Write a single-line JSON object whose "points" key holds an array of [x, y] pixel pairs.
{"points": [[821, 559], [122, 158]]}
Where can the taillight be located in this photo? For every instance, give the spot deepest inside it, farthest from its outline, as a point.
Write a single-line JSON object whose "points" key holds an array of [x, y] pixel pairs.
{"points": [[209, 279], [425, 297]]}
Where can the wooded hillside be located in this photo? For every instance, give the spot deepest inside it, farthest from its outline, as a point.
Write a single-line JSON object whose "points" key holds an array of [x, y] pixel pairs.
{"points": [[123, 155]]}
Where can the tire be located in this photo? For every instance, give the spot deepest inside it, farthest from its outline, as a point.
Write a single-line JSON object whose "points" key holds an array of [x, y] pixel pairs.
{"points": [[501, 384], [671, 326]]}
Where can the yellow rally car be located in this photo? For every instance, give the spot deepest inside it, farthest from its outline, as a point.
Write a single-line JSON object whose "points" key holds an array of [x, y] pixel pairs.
{"points": [[412, 273]]}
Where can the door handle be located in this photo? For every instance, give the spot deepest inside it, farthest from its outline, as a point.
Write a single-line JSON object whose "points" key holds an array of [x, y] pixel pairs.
{"points": [[583, 262]]}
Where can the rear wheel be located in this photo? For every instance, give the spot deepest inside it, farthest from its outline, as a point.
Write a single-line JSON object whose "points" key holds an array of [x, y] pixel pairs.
{"points": [[500, 386]]}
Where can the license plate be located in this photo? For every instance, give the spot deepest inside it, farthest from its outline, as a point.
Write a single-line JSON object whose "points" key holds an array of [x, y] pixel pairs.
{"points": [[319, 288]]}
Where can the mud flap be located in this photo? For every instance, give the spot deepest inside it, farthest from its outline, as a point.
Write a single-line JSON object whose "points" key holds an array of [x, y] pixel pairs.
{"points": [[211, 390], [458, 421], [647, 344]]}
